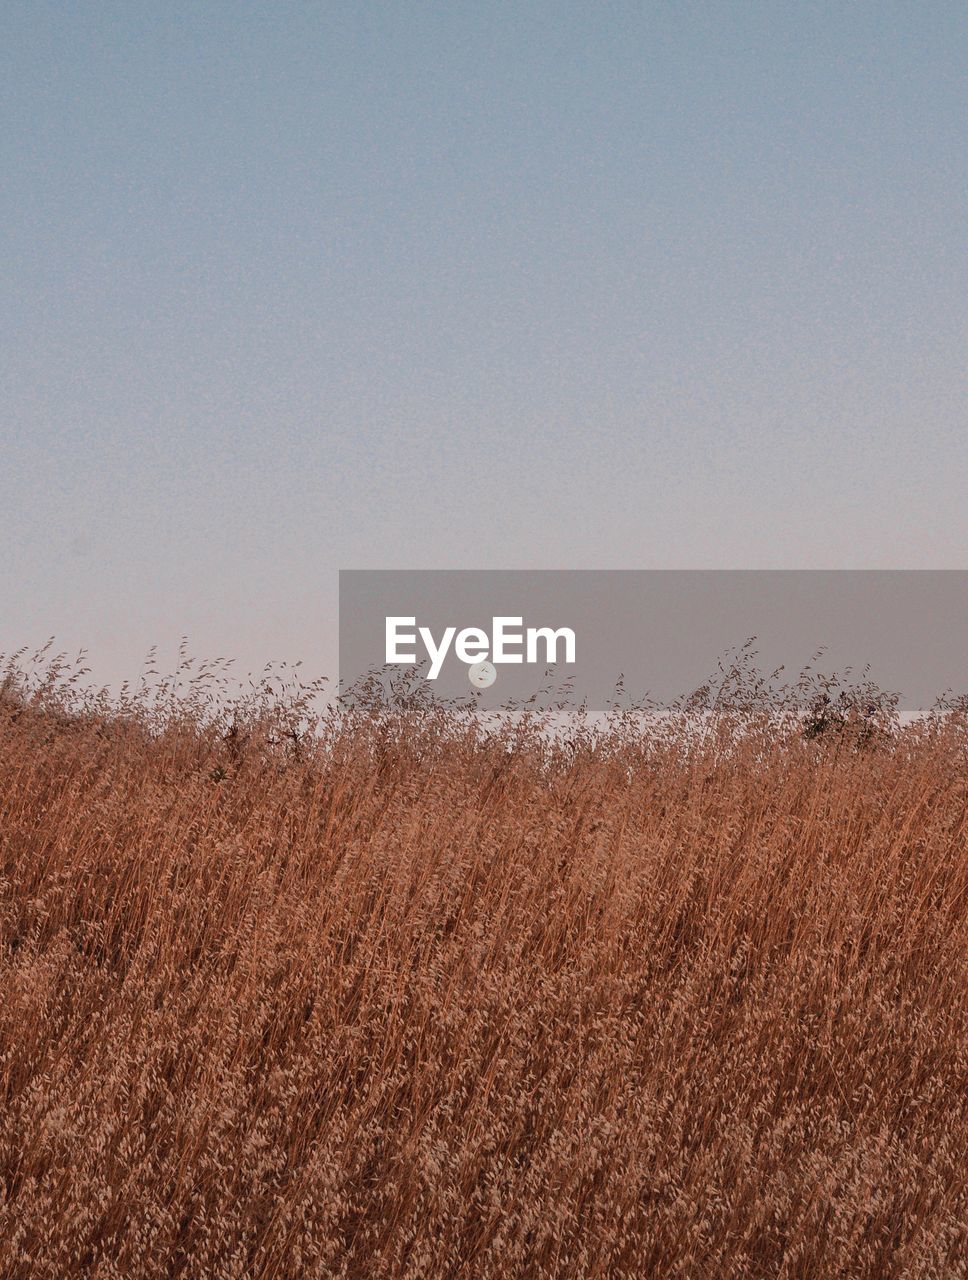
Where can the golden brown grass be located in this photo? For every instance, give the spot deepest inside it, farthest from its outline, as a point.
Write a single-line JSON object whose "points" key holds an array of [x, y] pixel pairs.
{"points": [[411, 999]]}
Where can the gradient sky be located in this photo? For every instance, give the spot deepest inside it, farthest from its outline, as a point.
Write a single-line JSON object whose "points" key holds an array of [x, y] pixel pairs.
{"points": [[293, 287]]}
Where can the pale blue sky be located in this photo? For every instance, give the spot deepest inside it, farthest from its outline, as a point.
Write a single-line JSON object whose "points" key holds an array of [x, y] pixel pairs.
{"points": [[289, 287]]}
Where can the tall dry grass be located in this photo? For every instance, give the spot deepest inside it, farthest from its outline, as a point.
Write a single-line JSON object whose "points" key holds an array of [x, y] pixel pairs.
{"points": [[403, 997]]}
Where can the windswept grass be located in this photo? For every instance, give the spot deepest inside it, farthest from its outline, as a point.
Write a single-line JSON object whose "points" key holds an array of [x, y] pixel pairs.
{"points": [[400, 997]]}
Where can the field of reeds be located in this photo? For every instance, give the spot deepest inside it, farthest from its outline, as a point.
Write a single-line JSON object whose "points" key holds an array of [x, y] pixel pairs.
{"points": [[400, 994]]}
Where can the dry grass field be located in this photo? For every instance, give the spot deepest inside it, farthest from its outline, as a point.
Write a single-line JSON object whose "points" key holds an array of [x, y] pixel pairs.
{"points": [[406, 998]]}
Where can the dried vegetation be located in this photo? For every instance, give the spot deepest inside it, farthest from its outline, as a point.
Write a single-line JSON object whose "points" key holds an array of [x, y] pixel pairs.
{"points": [[403, 995]]}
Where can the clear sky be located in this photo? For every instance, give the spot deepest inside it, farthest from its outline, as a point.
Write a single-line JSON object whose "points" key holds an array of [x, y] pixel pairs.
{"points": [[288, 287]]}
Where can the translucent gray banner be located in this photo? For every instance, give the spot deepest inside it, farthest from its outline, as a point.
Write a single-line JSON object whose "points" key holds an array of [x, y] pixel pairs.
{"points": [[665, 633]]}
